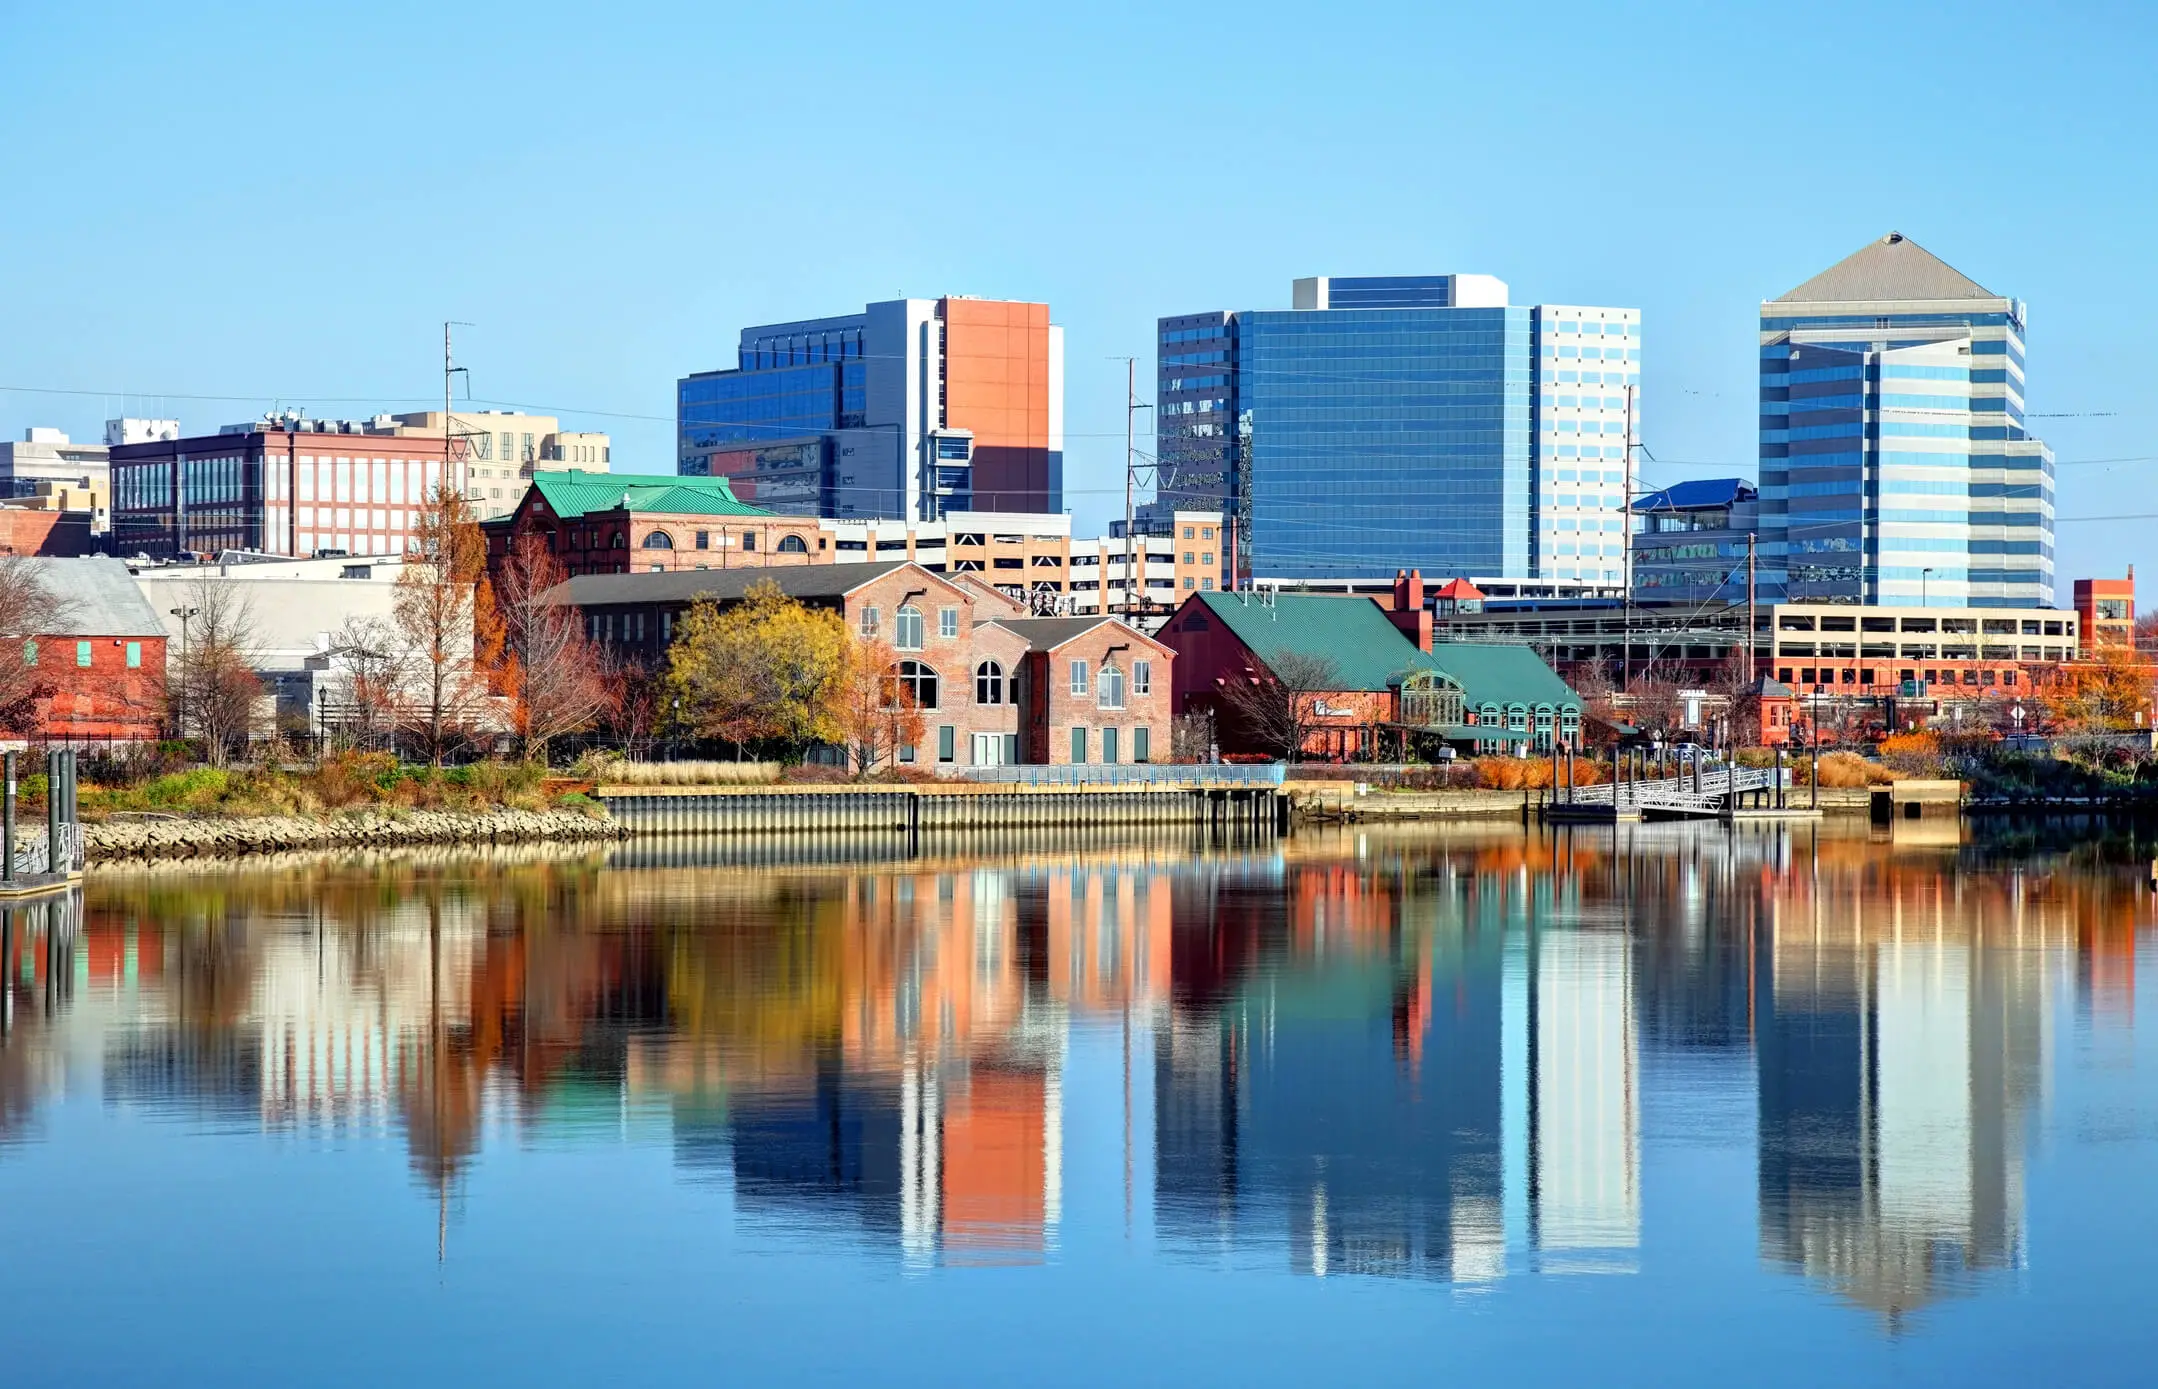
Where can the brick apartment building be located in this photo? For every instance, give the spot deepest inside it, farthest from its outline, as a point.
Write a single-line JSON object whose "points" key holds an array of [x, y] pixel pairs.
{"points": [[285, 487], [994, 685]]}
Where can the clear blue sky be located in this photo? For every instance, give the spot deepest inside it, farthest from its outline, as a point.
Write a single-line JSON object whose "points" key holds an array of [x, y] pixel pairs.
{"points": [[282, 203]]}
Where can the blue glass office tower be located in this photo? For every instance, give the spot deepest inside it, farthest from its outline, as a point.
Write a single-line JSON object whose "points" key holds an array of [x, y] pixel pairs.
{"points": [[1895, 465], [912, 408], [1404, 422]]}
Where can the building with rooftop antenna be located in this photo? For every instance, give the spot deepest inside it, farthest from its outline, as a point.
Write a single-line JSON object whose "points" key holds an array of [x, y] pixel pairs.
{"points": [[1895, 463]]}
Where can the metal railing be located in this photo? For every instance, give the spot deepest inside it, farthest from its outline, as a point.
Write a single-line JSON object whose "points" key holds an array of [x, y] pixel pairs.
{"points": [[1718, 781], [1225, 775]]}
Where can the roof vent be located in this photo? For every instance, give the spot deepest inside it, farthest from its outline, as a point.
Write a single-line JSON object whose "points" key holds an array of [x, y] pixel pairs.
{"points": [[1893, 238]]}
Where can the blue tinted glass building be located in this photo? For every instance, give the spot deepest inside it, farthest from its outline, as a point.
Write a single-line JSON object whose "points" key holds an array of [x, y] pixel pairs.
{"points": [[908, 410], [1895, 465], [1404, 422]]}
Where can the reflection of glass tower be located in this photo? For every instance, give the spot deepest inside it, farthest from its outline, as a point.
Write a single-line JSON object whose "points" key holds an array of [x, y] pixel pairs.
{"points": [[1349, 1110], [1584, 1109], [1879, 1173]]}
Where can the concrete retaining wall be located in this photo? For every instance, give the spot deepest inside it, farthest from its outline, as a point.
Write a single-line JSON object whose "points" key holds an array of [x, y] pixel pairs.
{"points": [[255, 834]]}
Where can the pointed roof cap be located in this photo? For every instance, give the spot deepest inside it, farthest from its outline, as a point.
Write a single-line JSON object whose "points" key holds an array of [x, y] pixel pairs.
{"points": [[1895, 267], [1460, 589]]}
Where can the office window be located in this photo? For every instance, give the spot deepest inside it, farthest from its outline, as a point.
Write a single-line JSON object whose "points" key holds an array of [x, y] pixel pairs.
{"points": [[1207, 585], [1206, 532], [1108, 745], [1142, 677], [29, 653], [749, 540], [871, 623], [704, 540], [907, 631], [1110, 690], [1078, 745], [989, 683], [134, 655], [1078, 686], [1187, 532], [947, 623], [947, 742], [82, 653], [1187, 557], [1139, 741]]}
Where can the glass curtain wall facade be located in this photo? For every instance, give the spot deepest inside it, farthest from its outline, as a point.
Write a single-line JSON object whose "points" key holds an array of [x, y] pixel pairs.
{"points": [[1405, 422], [1588, 374], [923, 406], [1895, 463], [1385, 439]]}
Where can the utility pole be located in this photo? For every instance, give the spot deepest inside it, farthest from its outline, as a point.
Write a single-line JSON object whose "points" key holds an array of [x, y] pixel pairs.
{"points": [[1752, 655], [449, 433], [1131, 411], [1626, 600]]}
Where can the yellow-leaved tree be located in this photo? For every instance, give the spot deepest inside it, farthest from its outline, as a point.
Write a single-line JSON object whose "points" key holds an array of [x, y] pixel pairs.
{"points": [[767, 670], [2110, 693]]}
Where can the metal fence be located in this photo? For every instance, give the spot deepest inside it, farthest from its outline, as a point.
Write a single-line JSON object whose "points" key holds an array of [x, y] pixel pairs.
{"points": [[1134, 774]]}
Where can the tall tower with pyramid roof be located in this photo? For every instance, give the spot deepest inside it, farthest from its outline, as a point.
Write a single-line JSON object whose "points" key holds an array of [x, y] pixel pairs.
{"points": [[1895, 463]]}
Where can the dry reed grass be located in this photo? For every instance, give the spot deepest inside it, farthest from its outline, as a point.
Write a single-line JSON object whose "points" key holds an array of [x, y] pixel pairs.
{"points": [[620, 771]]}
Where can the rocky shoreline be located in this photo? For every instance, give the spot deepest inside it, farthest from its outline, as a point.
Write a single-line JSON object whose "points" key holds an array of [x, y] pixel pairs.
{"points": [[237, 836]]}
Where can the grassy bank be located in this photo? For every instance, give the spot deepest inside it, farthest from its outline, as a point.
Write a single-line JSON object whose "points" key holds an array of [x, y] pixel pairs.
{"points": [[355, 781]]}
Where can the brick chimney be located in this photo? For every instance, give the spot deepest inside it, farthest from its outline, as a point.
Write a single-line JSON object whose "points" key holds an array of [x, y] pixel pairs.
{"points": [[1409, 615]]}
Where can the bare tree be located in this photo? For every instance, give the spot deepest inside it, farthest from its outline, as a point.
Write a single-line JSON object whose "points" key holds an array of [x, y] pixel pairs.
{"points": [[1733, 679], [554, 675], [443, 611], [1191, 737], [373, 670], [1275, 707], [29, 608], [217, 689]]}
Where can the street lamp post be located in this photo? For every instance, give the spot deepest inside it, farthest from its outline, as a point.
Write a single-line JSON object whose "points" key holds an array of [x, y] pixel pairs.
{"points": [[1923, 576], [186, 616]]}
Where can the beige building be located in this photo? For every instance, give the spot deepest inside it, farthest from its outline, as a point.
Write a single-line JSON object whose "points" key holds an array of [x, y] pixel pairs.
{"points": [[505, 447]]}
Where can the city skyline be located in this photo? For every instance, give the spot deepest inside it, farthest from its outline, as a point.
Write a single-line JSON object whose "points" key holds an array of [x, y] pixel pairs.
{"points": [[1064, 203]]}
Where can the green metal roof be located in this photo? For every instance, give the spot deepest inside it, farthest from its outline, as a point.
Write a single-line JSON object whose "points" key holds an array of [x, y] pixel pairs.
{"points": [[1350, 634], [1355, 637], [1493, 673], [571, 494]]}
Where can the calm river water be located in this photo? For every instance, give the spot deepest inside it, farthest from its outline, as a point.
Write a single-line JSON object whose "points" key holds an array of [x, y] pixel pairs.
{"points": [[1668, 1105]]}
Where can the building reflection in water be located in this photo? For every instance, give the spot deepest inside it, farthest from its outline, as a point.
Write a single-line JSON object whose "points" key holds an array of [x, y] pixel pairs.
{"points": [[1398, 1055]]}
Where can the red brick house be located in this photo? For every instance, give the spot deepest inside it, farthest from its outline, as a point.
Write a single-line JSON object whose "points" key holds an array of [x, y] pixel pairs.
{"points": [[1391, 687], [993, 685], [1096, 690], [102, 675], [623, 523]]}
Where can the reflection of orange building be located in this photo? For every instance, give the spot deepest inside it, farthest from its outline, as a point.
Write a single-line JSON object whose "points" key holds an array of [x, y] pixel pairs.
{"points": [[998, 1139]]}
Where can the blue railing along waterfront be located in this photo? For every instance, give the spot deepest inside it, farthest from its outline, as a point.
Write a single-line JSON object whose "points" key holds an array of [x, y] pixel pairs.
{"points": [[1228, 776]]}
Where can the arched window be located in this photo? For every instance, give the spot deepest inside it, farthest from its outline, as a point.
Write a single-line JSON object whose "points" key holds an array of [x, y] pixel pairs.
{"points": [[793, 545], [1109, 689], [907, 630], [619, 543], [1517, 717], [989, 683], [658, 540], [918, 680]]}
